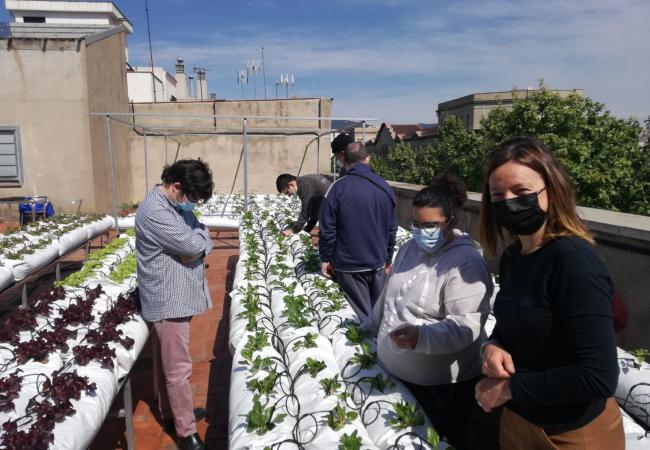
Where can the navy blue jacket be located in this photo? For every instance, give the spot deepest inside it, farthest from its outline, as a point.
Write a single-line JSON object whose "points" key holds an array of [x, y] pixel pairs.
{"points": [[358, 222]]}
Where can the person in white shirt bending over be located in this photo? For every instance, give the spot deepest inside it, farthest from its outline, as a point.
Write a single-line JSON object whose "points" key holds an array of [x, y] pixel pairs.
{"points": [[431, 314]]}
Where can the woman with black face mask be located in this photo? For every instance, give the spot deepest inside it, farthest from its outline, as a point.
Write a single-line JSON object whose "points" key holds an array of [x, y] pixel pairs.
{"points": [[551, 359]]}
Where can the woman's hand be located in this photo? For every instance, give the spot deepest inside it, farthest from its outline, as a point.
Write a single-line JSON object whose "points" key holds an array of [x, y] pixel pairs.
{"points": [[497, 363], [405, 337], [491, 393]]}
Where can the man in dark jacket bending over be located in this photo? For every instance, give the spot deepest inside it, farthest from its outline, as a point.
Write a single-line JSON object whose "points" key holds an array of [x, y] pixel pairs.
{"points": [[311, 189], [358, 223]]}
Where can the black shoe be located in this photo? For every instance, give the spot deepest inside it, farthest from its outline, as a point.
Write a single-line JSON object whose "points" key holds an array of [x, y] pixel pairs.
{"points": [[192, 442], [168, 424]]}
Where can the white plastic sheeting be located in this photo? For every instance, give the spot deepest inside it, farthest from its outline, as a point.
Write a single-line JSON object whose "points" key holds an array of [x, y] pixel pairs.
{"points": [[72, 239], [6, 277], [633, 390], [220, 221], [99, 226], [31, 263]]}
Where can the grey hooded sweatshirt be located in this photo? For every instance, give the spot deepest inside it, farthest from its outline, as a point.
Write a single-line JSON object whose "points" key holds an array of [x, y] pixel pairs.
{"points": [[446, 295]]}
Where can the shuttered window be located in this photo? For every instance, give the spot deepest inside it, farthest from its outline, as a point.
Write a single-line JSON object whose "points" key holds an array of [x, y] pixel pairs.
{"points": [[11, 172]]}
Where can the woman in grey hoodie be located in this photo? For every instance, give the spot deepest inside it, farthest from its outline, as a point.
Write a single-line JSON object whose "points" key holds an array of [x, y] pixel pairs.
{"points": [[432, 312]]}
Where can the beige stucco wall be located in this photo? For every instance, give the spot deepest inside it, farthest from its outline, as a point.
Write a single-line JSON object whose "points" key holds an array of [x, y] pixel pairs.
{"points": [[107, 89], [268, 155], [45, 94], [49, 94]]}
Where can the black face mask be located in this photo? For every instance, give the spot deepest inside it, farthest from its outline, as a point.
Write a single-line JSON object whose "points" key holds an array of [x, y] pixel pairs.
{"points": [[520, 215]]}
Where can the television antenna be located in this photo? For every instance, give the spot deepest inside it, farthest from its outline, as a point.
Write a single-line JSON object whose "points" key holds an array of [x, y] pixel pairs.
{"points": [[242, 79], [200, 78], [253, 68], [264, 73], [286, 80]]}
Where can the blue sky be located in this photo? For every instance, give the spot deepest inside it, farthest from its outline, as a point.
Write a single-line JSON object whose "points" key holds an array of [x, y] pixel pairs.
{"points": [[396, 60]]}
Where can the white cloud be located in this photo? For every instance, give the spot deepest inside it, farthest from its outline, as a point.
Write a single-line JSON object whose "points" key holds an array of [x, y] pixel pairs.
{"points": [[428, 54]]}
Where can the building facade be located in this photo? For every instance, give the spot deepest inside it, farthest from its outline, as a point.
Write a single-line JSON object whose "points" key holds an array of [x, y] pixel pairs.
{"points": [[61, 149], [470, 109]]}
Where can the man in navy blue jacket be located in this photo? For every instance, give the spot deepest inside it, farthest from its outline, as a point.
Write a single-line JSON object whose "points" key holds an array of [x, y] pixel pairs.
{"points": [[357, 230]]}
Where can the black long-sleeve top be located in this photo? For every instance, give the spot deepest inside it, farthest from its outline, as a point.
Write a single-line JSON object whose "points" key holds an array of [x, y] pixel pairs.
{"points": [[311, 191], [554, 317]]}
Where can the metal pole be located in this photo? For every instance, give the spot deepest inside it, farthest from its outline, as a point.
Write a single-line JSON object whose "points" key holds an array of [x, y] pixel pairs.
{"points": [[363, 131], [166, 159], [128, 413], [153, 77], [146, 168], [245, 152], [318, 155], [112, 167], [264, 73]]}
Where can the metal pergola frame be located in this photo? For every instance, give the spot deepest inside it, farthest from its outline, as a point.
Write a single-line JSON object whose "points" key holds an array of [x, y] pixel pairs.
{"points": [[173, 131]]}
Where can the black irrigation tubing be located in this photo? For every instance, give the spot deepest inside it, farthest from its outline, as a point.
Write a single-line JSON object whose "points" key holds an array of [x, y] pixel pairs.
{"points": [[377, 411], [296, 428], [422, 444], [278, 445], [635, 403], [359, 369]]}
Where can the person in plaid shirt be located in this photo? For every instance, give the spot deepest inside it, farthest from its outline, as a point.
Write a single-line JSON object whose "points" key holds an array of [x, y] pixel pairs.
{"points": [[171, 245]]}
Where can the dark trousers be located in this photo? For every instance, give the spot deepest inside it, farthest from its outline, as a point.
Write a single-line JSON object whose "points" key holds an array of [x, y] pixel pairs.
{"points": [[362, 288], [455, 415], [313, 210]]}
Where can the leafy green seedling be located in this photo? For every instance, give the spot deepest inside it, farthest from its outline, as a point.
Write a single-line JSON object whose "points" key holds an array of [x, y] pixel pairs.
{"points": [[641, 354], [366, 359], [260, 363], [255, 342], [125, 269], [408, 415], [264, 385], [380, 383], [336, 305], [355, 334], [260, 417], [338, 417], [308, 341], [330, 385], [350, 441], [314, 366], [433, 438]]}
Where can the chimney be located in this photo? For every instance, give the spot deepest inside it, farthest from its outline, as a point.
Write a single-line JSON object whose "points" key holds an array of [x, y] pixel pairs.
{"points": [[201, 84], [181, 82]]}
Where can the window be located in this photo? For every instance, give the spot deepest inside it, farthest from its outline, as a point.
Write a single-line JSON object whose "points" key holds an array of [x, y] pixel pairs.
{"points": [[32, 19], [11, 172]]}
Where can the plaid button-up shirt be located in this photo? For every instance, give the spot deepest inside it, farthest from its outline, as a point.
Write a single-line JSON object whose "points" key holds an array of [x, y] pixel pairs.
{"points": [[169, 288]]}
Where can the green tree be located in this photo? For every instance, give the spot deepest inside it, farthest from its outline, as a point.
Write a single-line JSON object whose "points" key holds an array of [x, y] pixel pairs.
{"points": [[461, 152], [600, 152]]}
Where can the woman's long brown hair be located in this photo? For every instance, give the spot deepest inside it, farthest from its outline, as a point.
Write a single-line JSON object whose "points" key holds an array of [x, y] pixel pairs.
{"points": [[562, 217]]}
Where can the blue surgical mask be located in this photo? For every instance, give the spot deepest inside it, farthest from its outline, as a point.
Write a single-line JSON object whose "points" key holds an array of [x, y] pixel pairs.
{"points": [[339, 163], [186, 206], [428, 239]]}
